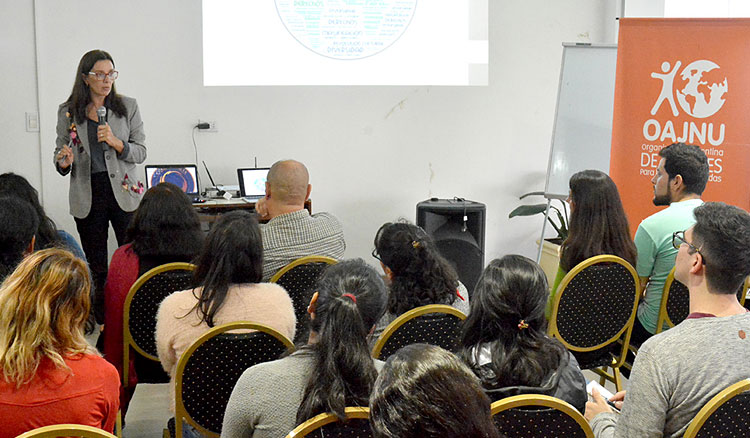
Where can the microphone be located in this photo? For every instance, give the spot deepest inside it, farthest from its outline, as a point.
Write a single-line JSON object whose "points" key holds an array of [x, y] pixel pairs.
{"points": [[101, 112]]}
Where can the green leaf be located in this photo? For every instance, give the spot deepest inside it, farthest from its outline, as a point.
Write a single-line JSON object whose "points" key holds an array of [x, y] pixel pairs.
{"points": [[528, 210], [531, 194]]}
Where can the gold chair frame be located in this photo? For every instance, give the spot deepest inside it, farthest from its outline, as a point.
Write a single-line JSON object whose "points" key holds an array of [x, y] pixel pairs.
{"points": [[66, 430], [301, 261], [715, 403], [406, 317], [545, 401], [625, 331], [321, 420], [663, 317], [127, 337], [180, 411]]}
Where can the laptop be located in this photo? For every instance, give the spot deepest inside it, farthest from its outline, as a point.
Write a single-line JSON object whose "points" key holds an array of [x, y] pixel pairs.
{"points": [[184, 176], [252, 182]]}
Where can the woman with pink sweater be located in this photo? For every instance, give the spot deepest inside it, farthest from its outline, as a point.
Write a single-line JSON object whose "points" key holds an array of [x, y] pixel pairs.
{"points": [[228, 274]]}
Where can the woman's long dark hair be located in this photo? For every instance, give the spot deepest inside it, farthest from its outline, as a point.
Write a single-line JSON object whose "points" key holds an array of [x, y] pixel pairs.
{"points": [[165, 224], [598, 224], [421, 275], [511, 289], [231, 254], [80, 97], [351, 298], [17, 186], [425, 391]]}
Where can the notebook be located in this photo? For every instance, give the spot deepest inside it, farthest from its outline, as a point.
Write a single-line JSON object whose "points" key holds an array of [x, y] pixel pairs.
{"points": [[184, 176], [252, 182]]}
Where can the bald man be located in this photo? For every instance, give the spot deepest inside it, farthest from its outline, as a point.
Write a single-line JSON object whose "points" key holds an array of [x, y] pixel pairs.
{"points": [[291, 232]]}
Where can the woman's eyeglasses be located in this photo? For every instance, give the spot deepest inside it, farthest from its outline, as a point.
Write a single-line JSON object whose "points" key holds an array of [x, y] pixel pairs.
{"points": [[100, 76]]}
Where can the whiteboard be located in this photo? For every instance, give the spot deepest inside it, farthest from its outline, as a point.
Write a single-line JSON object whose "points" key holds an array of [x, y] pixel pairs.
{"points": [[582, 133]]}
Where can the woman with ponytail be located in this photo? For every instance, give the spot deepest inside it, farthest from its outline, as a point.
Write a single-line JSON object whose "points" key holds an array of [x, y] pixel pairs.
{"points": [[332, 371], [417, 274], [505, 339]]}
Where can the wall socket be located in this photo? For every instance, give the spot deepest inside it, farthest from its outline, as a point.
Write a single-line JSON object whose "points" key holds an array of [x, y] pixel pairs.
{"points": [[211, 125]]}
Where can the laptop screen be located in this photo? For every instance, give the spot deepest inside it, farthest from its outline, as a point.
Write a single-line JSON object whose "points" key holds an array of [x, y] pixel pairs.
{"points": [[184, 176], [253, 181]]}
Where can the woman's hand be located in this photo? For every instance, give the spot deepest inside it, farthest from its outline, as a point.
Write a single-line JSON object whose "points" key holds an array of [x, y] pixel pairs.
{"points": [[104, 133], [65, 157]]}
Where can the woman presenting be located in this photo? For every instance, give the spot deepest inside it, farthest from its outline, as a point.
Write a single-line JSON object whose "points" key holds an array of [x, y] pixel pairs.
{"points": [[100, 140]]}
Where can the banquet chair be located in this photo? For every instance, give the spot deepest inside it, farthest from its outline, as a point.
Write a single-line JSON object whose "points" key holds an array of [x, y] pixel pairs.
{"points": [[299, 278], [593, 314], [357, 425], [538, 416], [434, 324]]}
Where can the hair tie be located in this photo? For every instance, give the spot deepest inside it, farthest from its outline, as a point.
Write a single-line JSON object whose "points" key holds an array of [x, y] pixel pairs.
{"points": [[414, 244], [522, 325], [354, 299]]}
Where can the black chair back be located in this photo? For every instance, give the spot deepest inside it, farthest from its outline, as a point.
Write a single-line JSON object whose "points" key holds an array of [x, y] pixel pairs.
{"points": [[435, 324]]}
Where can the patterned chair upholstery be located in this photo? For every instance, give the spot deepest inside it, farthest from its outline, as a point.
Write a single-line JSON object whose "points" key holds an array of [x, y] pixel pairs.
{"points": [[727, 414], [141, 306], [538, 416], [675, 302], [593, 313], [208, 370], [66, 430], [299, 279], [434, 324], [357, 425]]}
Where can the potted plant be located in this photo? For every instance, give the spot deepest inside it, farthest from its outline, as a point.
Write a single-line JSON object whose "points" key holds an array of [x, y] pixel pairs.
{"points": [[550, 246]]}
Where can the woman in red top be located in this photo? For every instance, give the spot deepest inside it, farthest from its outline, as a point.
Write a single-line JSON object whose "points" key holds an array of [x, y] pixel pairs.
{"points": [[48, 372], [165, 228]]}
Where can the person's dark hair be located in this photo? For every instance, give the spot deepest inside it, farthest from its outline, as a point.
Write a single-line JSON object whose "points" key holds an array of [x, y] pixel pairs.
{"points": [[510, 290], [425, 391], [351, 298], [16, 185], [598, 224], [721, 233], [165, 224], [690, 162], [18, 225], [80, 97], [231, 254], [421, 276]]}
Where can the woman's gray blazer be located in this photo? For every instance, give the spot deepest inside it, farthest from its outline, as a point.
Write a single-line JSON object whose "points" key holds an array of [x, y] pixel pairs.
{"points": [[129, 129]]}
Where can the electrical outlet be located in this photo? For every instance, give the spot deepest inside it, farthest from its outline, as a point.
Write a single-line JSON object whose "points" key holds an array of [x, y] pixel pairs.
{"points": [[211, 125]]}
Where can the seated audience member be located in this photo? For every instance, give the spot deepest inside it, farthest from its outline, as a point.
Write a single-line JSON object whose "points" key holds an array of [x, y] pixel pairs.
{"points": [[228, 274], [50, 374], [424, 391], [333, 371], [417, 274], [165, 228], [505, 338], [678, 371], [598, 225], [18, 225], [679, 181], [291, 232], [47, 235]]}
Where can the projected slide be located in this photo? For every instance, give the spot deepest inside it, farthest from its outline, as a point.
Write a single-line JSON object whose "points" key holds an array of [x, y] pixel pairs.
{"points": [[344, 29], [345, 42]]}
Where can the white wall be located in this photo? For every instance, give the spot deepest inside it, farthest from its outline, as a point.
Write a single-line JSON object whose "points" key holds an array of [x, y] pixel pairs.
{"points": [[20, 149], [373, 152]]}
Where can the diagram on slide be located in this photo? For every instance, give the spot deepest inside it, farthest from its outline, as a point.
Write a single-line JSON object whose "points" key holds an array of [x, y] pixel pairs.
{"points": [[346, 29]]}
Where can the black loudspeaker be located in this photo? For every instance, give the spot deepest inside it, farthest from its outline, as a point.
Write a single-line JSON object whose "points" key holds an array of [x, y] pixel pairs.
{"points": [[457, 226]]}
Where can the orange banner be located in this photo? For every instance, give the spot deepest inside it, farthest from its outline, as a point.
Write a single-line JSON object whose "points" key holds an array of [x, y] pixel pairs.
{"points": [[681, 80]]}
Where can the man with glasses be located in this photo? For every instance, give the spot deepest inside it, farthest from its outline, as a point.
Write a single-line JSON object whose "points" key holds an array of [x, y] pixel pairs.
{"points": [[679, 181], [678, 371]]}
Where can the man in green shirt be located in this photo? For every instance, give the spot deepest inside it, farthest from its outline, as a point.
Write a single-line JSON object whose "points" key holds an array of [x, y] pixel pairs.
{"points": [[679, 181]]}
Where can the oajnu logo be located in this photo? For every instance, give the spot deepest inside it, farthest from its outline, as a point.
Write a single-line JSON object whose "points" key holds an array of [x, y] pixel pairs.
{"points": [[699, 90]]}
